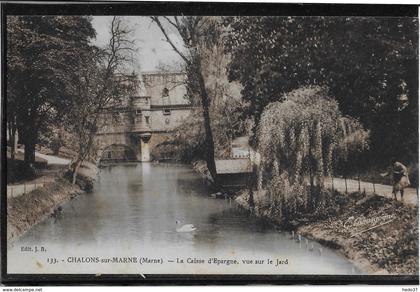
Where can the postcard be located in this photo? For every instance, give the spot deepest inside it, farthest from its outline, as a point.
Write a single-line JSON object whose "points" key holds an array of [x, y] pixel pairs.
{"points": [[195, 142]]}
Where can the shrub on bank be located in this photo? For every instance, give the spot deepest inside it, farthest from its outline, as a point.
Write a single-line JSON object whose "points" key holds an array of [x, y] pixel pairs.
{"points": [[84, 182], [27, 210]]}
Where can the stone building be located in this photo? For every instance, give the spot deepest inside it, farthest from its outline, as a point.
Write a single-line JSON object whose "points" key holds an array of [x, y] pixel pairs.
{"points": [[131, 129]]}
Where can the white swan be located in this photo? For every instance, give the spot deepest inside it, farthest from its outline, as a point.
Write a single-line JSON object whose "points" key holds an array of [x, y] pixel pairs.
{"points": [[185, 228]]}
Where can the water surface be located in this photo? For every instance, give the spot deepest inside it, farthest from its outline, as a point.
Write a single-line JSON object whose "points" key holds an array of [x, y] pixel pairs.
{"points": [[133, 212]]}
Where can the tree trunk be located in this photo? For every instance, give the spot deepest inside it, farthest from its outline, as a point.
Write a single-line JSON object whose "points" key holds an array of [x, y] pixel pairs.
{"points": [[345, 182], [75, 170], [29, 137], [29, 151], [211, 165], [311, 185], [252, 182], [12, 139]]}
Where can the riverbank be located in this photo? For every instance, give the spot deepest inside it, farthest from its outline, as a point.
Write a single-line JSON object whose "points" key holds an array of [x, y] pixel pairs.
{"points": [[31, 208], [378, 235]]}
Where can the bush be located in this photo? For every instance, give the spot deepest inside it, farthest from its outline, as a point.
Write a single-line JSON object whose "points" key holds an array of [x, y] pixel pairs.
{"points": [[287, 201]]}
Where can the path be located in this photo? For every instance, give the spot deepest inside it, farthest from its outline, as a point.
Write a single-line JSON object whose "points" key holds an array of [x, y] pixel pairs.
{"points": [[47, 177], [410, 194], [51, 159]]}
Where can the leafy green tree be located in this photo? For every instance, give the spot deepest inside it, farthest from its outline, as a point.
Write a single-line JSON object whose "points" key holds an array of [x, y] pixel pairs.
{"points": [[366, 62], [42, 54]]}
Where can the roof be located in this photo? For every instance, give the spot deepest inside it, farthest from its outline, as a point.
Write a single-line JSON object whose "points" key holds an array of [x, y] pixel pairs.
{"points": [[231, 166]]}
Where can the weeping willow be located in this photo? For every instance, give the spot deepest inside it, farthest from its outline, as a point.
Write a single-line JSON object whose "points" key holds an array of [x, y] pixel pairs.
{"points": [[300, 141]]}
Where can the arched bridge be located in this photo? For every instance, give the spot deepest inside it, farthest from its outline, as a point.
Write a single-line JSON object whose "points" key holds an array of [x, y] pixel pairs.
{"points": [[133, 129]]}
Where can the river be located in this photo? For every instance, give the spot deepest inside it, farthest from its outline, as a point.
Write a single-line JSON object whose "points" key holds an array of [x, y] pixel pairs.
{"points": [[132, 213]]}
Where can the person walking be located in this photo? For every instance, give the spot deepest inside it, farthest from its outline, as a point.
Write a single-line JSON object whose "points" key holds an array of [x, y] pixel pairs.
{"points": [[400, 179]]}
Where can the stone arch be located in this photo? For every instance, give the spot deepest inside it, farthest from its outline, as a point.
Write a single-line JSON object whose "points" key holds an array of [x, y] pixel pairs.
{"points": [[116, 152]]}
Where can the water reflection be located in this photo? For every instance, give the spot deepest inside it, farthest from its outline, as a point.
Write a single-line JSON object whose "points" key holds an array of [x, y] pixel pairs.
{"points": [[134, 207]]}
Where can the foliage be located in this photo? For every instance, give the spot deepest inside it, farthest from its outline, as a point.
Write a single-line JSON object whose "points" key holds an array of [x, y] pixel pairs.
{"points": [[228, 123], [42, 54], [287, 200], [365, 62], [98, 86], [188, 141], [226, 111], [300, 139], [53, 138], [192, 30], [188, 138], [352, 153], [200, 36]]}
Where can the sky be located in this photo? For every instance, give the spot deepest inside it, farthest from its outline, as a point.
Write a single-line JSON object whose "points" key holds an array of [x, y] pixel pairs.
{"points": [[153, 49]]}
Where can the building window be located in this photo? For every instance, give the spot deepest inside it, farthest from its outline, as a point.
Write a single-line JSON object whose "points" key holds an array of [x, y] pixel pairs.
{"points": [[166, 112], [147, 120], [165, 96], [138, 112]]}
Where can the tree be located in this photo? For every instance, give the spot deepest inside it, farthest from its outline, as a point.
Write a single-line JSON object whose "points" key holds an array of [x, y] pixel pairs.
{"points": [[363, 61], [42, 53], [299, 138], [188, 139], [197, 33], [99, 85], [226, 109]]}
